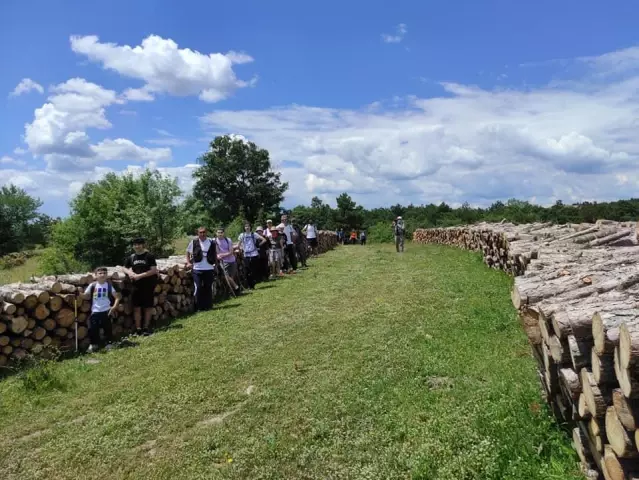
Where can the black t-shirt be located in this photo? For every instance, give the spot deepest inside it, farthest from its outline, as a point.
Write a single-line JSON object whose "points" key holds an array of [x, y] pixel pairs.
{"points": [[141, 263]]}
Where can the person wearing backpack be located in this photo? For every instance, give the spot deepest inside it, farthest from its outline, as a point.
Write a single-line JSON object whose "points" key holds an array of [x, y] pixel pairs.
{"points": [[105, 300], [399, 229], [201, 258], [227, 259], [250, 244], [142, 269]]}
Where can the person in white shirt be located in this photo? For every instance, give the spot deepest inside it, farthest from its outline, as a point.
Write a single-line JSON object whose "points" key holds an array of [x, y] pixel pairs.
{"points": [[250, 249], [291, 236], [101, 293], [201, 257], [310, 230]]}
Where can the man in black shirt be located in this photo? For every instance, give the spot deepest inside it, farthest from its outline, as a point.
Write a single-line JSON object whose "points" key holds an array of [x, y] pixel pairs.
{"points": [[141, 268]]}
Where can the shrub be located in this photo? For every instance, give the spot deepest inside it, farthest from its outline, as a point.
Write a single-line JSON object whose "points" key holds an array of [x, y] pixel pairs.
{"points": [[381, 232], [55, 261]]}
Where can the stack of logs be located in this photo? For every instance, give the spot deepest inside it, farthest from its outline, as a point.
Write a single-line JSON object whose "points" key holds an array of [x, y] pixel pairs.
{"points": [[41, 314], [576, 289]]}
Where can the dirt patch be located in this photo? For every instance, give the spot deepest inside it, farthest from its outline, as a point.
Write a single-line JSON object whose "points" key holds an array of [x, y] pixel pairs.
{"points": [[438, 383], [250, 389], [33, 435]]}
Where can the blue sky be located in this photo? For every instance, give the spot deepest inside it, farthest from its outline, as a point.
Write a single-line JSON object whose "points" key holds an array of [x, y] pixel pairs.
{"points": [[391, 101]]}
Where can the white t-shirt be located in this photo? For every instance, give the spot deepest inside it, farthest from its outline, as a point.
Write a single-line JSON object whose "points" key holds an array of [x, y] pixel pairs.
{"points": [[248, 242], [204, 264], [310, 231], [289, 231], [101, 301]]}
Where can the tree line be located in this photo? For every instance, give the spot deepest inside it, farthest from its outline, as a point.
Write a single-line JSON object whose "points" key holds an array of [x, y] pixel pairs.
{"points": [[234, 182]]}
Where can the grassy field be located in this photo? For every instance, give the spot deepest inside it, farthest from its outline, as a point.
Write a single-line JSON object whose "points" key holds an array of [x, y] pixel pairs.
{"points": [[368, 365], [21, 273]]}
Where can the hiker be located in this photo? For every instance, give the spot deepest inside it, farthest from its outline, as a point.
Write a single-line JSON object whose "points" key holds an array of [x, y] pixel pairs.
{"points": [[353, 239], [340, 236], [310, 230], [101, 293], [275, 253], [263, 255], [362, 237], [399, 230], [201, 258], [290, 245], [228, 262], [249, 246], [141, 268], [269, 227], [301, 247]]}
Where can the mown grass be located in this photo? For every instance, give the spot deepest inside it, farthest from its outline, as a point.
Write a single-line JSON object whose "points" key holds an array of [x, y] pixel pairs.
{"points": [[368, 365]]}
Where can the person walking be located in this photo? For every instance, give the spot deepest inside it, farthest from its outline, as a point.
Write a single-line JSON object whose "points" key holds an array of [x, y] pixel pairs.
{"points": [[201, 259], [310, 230], [399, 230], [250, 249]]}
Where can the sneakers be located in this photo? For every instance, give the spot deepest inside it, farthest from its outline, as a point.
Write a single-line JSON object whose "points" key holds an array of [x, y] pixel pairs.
{"points": [[147, 332]]}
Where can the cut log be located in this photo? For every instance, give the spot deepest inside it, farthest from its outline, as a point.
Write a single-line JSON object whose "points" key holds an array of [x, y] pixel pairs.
{"points": [[629, 343], [597, 435], [619, 468], [17, 324], [65, 317], [55, 303], [49, 324], [596, 400], [579, 352], [611, 238], [627, 410], [603, 368], [621, 442], [39, 333], [4, 340], [7, 308], [605, 328], [41, 311], [582, 407], [10, 295]]}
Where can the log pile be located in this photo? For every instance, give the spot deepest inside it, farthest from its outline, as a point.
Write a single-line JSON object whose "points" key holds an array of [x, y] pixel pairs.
{"points": [[576, 289], [42, 313]]}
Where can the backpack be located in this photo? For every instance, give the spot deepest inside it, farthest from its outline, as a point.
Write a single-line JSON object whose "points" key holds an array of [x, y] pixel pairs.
{"points": [[109, 292], [399, 228]]}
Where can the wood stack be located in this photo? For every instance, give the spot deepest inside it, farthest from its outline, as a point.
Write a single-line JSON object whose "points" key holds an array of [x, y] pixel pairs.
{"points": [[577, 294], [40, 314]]}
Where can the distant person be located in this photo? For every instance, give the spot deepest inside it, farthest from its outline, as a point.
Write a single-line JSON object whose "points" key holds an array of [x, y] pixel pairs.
{"points": [[311, 232], [301, 245], [275, 253], [201, 258], [362, 237], [249, 245], [264, 249], [105, 300], [290, 244], [340, 236], [227, 259], [399, 231], [353, 239], [141, 268]]}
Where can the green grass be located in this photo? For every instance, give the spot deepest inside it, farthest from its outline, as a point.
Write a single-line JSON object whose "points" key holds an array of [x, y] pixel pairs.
{"points": [[23, 272], [368, 365]]}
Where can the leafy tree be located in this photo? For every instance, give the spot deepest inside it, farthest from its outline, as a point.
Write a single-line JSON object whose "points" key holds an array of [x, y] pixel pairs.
{"points": [[18, 213], [107, 215], [235, 174]]}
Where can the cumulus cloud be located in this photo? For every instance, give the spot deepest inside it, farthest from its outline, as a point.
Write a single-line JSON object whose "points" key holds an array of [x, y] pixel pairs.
{"points": [[399, 35], [166, 68], [26, 85], [58, 130], [572, 141], [6, 160]]}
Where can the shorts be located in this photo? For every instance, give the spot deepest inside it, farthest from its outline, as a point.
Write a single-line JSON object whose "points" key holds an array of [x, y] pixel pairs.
{"points": [[275, 256], [230, 268], [313, 242], [143, 294]]}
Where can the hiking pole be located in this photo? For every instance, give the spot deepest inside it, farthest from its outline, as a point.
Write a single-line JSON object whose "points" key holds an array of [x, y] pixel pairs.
{"points": [[228, 282], [75, 321]]}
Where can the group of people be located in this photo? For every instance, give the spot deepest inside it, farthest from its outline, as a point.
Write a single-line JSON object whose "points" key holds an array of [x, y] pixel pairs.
{"points": [[268, 253]]}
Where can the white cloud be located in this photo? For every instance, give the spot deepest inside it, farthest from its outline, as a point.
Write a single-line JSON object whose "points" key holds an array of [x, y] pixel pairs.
{"points": [[166, 68], [572, 141], [58, 131], [138, 95], [19, 151], [26, 85], [6, 160], [399, 35], [131, 113]]}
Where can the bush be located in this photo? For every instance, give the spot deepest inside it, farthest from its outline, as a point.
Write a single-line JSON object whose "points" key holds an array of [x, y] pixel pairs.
{"points": [[381, 232], [38, 375], [55, 261]]}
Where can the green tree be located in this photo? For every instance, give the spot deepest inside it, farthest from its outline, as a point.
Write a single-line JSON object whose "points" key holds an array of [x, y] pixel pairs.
{"points": [[107, 215], [18, 213], [235, 174]]}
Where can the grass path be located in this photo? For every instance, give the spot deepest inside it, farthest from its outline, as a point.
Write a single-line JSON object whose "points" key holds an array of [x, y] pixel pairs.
{"points": [[369, 365]]}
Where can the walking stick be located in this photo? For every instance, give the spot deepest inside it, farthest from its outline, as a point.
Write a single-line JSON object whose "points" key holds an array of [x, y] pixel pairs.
{"points": [[75, 321]]}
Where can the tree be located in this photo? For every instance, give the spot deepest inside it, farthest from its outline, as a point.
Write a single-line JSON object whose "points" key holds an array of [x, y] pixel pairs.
{"points": [[18, 213], [234, 174], [107, 215], [349, 214]]}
